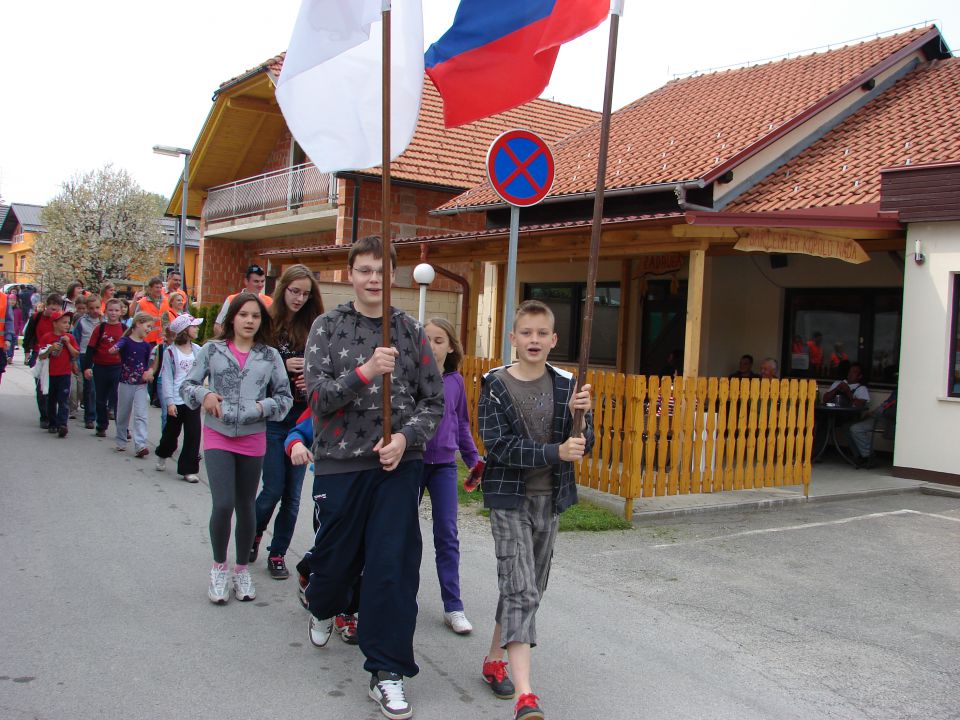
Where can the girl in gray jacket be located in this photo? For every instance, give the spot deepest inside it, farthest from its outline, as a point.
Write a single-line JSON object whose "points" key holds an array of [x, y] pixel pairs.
{"points": [[247, 385]]}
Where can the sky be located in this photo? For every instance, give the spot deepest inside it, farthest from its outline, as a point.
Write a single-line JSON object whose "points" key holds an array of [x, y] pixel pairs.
{"points": [[103, 81]]}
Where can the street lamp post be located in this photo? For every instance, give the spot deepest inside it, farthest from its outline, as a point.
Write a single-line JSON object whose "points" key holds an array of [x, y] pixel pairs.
{"points": [[182, 236], [423, 274]]}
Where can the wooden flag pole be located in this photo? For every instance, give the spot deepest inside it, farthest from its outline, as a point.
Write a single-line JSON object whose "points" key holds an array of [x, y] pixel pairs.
{"points": [[385, 220], [587, 330]]}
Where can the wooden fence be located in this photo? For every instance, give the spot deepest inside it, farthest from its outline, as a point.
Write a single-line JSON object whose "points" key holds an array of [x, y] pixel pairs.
{"points": [[674, 436]]}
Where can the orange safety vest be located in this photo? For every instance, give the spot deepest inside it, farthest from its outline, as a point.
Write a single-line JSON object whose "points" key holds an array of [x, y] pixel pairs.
{"points": [[264, 298], [3, 322], [146, 305]]}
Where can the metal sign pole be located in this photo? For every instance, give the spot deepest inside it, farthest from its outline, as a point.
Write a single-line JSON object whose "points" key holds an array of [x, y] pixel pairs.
{"points": [[511, 285]]}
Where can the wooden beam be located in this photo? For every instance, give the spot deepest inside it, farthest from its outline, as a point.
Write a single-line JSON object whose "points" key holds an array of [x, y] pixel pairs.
{"points": [[252, 105], [691, 342], [699, 231]]}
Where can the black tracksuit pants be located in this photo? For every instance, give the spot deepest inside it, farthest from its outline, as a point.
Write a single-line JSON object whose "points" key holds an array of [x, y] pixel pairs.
{"points": [[370, 524]]}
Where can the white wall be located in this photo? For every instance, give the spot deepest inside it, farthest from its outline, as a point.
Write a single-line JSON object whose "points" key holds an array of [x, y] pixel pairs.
{"points": [[745, 297], [928, 424]]}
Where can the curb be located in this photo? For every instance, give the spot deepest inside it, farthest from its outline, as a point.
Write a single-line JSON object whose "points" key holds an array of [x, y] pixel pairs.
{"points": [[782, 502]]}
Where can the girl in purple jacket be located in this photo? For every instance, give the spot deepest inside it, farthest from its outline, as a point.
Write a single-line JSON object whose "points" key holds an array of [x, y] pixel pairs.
{"points": [[440, 469]]}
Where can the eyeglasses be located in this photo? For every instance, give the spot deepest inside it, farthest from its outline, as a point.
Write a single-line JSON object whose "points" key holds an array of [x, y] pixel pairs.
{"points": [[298, 293], [366, 272]]}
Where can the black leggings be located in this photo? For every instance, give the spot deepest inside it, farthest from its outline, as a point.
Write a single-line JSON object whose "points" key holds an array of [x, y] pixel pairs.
{"points": [[233, 486]]}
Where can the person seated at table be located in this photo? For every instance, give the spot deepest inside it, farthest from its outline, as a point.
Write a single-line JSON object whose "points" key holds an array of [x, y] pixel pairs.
{"points": [[745, 369], [851, 391], [769, 369], [861, 432]]}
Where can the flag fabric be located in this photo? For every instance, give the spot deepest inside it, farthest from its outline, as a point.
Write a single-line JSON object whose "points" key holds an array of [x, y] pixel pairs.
{"points": [[500, 53], [330, 87]]}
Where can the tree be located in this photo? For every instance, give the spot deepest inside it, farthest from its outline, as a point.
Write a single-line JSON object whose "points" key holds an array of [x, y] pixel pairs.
{"points": [[101, 225]]}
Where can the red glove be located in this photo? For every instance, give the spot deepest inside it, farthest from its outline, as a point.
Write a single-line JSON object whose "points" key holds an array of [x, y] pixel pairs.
{"points": [[472, 481]]}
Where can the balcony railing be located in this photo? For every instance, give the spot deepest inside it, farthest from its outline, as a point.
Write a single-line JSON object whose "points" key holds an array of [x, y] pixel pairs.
{"points": [[288, 189]]}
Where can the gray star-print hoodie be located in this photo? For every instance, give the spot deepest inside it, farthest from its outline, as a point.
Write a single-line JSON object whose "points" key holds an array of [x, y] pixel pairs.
{"points": [[347, 410]]}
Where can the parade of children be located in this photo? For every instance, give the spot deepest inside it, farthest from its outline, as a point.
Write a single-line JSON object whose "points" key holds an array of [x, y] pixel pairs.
{"points": [[288, 387]]}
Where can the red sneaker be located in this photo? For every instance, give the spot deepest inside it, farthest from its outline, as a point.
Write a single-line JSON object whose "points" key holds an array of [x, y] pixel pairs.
{"points": [[346, 625], [495, 675], [527, 708]]}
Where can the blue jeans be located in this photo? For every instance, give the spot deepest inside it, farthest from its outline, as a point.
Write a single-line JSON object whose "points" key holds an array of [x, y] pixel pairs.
{"points": [[282, 482], [441, 481], [106, 380], [58, 400]]}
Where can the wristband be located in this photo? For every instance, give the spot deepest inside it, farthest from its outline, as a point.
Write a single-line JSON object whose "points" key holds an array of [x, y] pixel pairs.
{"points": [[362, 376]]}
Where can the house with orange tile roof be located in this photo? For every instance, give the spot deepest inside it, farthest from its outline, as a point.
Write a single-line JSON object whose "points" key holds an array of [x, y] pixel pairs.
{"points": [[256, 192], [741, 213]]}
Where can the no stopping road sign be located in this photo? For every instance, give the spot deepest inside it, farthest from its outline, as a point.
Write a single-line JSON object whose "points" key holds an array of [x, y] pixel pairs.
{"points": [[520, 167]]}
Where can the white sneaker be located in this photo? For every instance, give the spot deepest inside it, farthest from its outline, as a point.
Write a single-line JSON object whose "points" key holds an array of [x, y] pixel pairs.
{"points": [[161, 464], [218, 591], [457, 621], [243, 586], [386, 689], [320, 631], [191, 478]]}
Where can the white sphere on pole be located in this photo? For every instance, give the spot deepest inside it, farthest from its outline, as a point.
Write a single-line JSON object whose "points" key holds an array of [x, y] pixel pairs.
{"points": [[424, 274]]}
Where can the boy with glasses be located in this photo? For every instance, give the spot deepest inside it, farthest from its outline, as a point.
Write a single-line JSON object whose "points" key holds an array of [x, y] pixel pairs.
{"points": [[367, 491]]}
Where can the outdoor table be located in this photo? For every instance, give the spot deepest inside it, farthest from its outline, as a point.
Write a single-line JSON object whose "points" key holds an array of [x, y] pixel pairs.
{"points": [[835, 415]]}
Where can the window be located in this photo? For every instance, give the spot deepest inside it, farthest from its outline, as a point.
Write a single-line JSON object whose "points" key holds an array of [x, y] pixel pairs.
{"points": [[827, 329], [566, 300], [953, 375]]}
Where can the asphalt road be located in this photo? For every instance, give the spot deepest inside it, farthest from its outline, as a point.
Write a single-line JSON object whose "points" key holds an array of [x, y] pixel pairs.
{"points": [[845, 609]]}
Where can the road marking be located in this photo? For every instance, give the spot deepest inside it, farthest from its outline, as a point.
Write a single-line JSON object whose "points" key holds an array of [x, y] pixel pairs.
{"points": [[803, 526], [934, 515]]}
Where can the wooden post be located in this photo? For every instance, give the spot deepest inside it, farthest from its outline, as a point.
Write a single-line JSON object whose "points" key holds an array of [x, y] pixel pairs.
{"points": [[473, 302], [691, 342], [498, 306], [385, 220], [623, 331]]}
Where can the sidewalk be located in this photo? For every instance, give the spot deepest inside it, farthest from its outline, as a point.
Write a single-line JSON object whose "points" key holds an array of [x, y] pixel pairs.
{"points": [[830, 480]]}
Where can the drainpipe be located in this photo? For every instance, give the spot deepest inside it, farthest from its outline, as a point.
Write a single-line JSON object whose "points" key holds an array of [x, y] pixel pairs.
{"points": [[356, 210], [681, 193], [465, 305]]}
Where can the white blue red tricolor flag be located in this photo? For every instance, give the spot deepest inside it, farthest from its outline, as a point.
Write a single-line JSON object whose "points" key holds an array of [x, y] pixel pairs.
{"points": [[500, 53]]}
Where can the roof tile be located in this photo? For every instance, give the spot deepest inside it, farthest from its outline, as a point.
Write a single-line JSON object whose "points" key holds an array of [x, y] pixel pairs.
{"points": [[917, 121], [684, 129]]}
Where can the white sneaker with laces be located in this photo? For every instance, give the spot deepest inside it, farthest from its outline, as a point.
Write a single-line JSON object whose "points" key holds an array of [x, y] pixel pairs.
{"points": [[218, 591], [243, 586], [386, 688], [161, 464], [457, 621], [320, 631]]}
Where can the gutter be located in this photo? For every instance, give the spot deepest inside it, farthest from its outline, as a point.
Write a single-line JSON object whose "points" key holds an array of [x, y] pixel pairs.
{"points": [[616, 192]]}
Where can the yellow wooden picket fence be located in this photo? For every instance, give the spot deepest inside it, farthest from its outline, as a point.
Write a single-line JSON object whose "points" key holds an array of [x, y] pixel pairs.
{"points": [[674, 436]]}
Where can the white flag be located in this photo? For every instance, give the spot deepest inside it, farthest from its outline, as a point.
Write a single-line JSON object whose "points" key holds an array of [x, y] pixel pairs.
{"points": [[330, 86]]}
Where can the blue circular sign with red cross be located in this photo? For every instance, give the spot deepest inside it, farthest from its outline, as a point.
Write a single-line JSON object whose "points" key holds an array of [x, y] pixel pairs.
{"points": [[520, 167]]}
